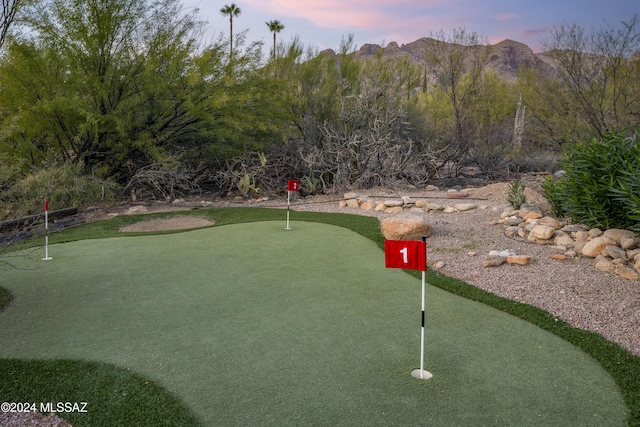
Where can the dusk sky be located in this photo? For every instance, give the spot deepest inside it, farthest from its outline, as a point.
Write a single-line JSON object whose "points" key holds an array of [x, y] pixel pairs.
{"points": [[323, 23]]}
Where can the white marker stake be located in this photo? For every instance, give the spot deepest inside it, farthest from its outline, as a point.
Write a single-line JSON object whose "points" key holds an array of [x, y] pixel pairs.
{"points": [[46, 230], [288, 201]]}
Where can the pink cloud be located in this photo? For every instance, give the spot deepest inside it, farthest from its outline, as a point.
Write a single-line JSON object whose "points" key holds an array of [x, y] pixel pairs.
{"points": [[506, 16], [356, 14], [401, 21]]}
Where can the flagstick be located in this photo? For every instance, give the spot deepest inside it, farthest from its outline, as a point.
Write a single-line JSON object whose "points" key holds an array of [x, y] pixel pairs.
{"points": [[46, 229], [422, 332], [288, 201], [421, 373]]}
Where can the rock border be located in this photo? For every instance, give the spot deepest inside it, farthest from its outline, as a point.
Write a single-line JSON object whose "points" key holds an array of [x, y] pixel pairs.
{"points": [[614, 251], [407, 203]]}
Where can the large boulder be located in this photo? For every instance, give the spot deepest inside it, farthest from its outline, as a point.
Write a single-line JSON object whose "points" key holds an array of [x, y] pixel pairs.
{"points": [[527, 209], [543, 232], [520, 259], [614, 252], [463, 207], [551, 222], [593, 247], [408, 226], [628, 243], [353, 203], [493, 261], [604, 264], [394, 203], [618, 234], [628, 273], [564, 240], [366, 205]]}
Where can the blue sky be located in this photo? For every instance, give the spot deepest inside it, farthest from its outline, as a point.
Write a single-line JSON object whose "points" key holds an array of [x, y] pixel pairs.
{"points": [[323, 23]]}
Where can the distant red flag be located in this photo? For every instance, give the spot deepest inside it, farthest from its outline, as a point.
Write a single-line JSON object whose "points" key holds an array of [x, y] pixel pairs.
{"points": [[293, 185], [46, 204], [409, 254]]}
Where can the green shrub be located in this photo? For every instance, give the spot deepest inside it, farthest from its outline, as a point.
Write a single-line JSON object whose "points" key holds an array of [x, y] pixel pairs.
{"points": [[516, 196], [65, 185], [553, 193], [601, 187]]}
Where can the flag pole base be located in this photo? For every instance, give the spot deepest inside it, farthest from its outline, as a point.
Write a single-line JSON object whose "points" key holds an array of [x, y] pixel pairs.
{"points": [[421, 374], [48, 258]]}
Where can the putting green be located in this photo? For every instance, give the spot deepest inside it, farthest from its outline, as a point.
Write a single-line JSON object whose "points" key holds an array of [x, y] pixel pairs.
{"points": [[251, 323]]}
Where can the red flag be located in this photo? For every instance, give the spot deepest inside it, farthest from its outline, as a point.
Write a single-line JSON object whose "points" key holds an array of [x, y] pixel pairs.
{"points": [[293, 185], [409, 254], [46, 203]]}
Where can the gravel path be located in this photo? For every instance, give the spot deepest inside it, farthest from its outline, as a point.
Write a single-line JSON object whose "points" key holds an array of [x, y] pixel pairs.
{"points": [[31, 419]]}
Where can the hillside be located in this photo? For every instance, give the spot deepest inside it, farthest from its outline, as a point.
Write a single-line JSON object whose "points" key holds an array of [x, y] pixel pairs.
{"points": [[505, 59]]}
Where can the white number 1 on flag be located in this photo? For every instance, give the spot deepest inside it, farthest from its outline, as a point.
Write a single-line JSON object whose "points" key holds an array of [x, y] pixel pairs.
{"points": [[405, 259]]}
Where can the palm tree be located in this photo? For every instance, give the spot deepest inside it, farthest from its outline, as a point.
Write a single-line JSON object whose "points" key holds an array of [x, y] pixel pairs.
{"points": [[275, 26], [231, 10]]}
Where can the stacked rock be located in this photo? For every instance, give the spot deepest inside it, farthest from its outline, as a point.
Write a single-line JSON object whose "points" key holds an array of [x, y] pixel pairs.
{"points": [[402, 204], [614, 250]]}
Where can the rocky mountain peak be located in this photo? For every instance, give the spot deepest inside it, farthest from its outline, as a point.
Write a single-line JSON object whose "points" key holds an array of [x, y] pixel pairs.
{"points": [[505, 59]]}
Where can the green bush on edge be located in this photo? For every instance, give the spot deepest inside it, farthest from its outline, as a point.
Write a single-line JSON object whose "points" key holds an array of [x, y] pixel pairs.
{"points": [[516, 196], [66, 185], [601, 187]]}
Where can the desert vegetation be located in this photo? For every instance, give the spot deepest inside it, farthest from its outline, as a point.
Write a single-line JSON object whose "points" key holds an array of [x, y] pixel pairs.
{"points": [[104, 100], [600, 186]]}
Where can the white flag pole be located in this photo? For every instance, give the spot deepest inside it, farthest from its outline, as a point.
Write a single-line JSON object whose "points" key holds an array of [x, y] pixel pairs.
{"points": [[422, 331], [421, 373], [46, 230], [288, 201]]}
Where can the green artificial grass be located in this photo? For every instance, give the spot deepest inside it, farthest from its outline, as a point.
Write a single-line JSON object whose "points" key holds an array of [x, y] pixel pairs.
{"points": [[5, 298], [105, 395], [334, 344]]}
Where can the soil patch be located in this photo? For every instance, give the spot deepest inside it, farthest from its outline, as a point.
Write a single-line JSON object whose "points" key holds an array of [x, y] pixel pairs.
{"points": [[499, 191]]}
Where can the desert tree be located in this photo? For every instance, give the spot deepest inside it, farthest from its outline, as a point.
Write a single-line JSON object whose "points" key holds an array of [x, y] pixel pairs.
{"points": [[275, 27], [457, 63], [599, 72], [370, 141], [552, 118], [102, 83], [231, 10], [8, 15]]}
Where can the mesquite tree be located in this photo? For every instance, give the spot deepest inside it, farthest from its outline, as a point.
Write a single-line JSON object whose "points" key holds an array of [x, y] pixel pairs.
{"points": [[371, 141], [457, 63], [600, 73]]}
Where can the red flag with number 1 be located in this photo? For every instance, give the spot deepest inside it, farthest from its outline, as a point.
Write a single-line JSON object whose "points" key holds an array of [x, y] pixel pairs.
{"points": [[408, 254]]}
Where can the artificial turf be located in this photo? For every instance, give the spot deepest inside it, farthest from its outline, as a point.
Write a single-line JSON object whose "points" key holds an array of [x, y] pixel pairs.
{"points": [[5, 298], [254, 324]]}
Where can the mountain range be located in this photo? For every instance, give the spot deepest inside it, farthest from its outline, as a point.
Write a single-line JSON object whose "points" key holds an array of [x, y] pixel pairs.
{"points": [[505, 58]]}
